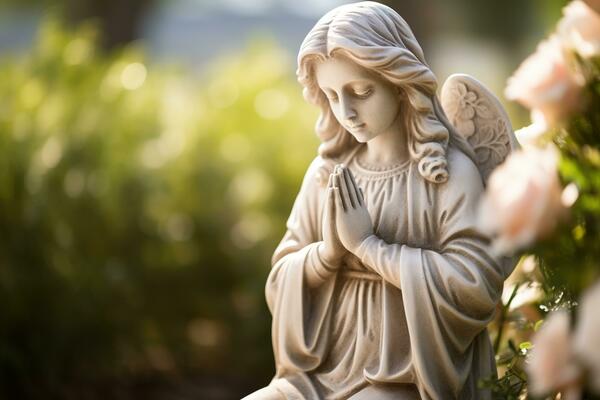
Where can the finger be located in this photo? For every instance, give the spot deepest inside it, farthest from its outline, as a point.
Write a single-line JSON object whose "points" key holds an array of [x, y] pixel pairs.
{"points": [[338, 185], [330, 183], [338, 199], [351, 188], [358, 190], [344, 191], [328, 210], [328, 199]]}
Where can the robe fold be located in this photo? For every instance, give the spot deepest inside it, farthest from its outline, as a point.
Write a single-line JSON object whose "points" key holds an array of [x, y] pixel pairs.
{"points": [[409, 308]]}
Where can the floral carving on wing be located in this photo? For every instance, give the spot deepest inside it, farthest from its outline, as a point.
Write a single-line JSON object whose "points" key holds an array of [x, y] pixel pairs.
{"points": [[478, 116]]}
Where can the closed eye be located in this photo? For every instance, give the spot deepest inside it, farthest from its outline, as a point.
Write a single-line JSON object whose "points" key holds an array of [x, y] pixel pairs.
{"points": [[331, 95], [363, 94]]}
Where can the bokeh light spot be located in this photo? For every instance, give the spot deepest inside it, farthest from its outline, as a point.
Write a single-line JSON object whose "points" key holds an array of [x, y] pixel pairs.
{"points": [[252, 228], [179, 227], [32, 94], [133, 76], [160, 358], [156, 152], [251, 186], [51, 153], [271, 104], [235, 147], [205, 332], [77, 51], [74, 182], [223, 93], [244, 303]]}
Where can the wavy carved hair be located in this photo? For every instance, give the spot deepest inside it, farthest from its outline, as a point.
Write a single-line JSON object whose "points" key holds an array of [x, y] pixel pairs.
{"points": [[375, 37]]}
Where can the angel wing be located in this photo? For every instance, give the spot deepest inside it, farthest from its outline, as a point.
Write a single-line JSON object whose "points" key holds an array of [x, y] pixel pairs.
{"points": [[479, 117]]}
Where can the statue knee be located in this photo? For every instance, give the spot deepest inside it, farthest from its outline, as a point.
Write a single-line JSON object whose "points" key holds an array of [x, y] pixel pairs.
{"points": [[266, 393]]}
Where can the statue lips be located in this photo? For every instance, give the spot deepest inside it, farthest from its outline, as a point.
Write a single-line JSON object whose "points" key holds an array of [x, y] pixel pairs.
{"points": [[356, 127], [359, 131]]}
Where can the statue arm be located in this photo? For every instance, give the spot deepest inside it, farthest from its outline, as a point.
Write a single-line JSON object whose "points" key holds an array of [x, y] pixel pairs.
{"points": [[316, 269], [460, 259], [303, 238]]}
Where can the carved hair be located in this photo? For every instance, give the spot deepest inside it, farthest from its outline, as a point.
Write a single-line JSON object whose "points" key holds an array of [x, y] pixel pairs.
{"points": [[375, 37]]}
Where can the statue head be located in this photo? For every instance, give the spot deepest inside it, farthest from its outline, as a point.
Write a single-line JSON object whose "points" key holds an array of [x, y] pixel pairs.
{"points": [[375, 37]]}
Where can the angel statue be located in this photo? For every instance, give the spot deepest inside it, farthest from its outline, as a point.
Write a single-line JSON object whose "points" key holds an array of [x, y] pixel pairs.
{"points": [[382, 286]]}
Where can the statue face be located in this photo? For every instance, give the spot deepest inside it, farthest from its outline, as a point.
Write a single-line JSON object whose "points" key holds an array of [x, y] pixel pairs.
{"points": [[364, 103]]}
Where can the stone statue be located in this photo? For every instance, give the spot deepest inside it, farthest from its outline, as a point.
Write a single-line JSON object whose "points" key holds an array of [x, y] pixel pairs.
{"points": [[382, 286]]}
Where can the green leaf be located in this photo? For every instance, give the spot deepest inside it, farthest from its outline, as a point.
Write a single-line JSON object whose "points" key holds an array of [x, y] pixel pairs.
{"points": [[525, 345]]}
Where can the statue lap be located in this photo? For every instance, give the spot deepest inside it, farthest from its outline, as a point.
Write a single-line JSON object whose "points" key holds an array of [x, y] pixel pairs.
{"points": [[371, 392]]}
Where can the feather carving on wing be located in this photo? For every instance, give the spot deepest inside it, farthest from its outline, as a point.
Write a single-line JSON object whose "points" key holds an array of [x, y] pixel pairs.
{"points": [[479, 117]]}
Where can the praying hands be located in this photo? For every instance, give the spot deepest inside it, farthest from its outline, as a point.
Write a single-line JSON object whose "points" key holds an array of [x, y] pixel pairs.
{"points": [[346, 222]]}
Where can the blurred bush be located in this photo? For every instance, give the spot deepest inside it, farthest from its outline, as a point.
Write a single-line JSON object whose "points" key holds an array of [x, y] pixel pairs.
{"points": [[139, 208]]}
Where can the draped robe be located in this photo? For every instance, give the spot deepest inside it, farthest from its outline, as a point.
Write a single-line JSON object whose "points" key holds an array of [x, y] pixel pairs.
{"points": [[411, 307]]}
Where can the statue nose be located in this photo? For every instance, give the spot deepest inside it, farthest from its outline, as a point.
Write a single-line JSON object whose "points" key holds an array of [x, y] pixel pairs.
{"points": [[348, 112]]}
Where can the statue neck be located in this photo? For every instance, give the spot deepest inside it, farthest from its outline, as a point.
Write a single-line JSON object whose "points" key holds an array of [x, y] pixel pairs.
{"points": [[387, 148]]}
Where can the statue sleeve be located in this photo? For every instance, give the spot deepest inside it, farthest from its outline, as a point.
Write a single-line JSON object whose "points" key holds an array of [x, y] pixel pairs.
{"points": [[300, 312]]}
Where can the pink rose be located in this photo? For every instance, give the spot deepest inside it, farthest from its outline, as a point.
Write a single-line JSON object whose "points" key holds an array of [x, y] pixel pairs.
{"points": [[523, 199], [552, 365], [579, 28], [545, 84], [587, 335], [593, 4], [533, 134]]}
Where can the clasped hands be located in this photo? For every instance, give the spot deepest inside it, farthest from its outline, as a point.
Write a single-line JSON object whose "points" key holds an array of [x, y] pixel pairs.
{"points": [[346, 220]]}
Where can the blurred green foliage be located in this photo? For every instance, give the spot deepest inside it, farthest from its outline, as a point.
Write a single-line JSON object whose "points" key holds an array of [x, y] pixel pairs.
{"points": [[139, 208]]}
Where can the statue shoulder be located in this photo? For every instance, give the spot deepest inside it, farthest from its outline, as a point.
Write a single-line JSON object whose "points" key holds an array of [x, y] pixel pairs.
{"points": [[314, 175], [317, 173], [464, 175]]}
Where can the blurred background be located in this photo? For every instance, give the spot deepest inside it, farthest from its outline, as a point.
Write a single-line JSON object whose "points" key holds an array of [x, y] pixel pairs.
{"points": [[150, 152]]}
